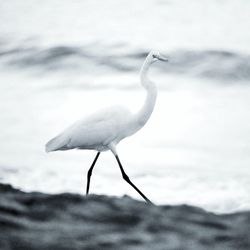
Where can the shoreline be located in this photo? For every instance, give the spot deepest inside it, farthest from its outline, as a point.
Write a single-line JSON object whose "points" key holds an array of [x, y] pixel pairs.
{"points": [[71, 221]]}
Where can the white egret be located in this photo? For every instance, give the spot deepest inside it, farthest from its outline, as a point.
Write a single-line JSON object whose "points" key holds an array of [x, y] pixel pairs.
{"points": [[104, 130]]}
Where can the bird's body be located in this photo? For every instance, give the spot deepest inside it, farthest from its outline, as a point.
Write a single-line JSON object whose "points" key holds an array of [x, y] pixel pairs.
{"points": [[96, 132], [105, 129]]}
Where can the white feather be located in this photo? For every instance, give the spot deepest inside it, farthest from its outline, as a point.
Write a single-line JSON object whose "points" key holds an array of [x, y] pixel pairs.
{"points": [[104, 129]]}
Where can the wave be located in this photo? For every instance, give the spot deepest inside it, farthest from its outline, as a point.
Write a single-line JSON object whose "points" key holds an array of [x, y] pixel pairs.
{"points": [[214, 64]]}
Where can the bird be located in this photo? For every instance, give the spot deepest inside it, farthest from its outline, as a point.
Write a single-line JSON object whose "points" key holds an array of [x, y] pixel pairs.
{"points": [[103, 130]]}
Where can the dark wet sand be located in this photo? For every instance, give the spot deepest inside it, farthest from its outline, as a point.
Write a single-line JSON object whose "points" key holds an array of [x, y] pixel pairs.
{"points": [[68, 221]]}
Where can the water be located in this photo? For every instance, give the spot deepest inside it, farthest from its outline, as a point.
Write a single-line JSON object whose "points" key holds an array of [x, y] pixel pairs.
{"points": [[62, 60]]}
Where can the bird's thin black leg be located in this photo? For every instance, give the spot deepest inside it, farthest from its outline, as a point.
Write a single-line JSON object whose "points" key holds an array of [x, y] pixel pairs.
{"points": [[90, 172], [126, 178]]}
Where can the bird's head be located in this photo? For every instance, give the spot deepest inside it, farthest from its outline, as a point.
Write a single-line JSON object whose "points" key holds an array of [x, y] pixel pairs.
{"points": [[155, 56]]}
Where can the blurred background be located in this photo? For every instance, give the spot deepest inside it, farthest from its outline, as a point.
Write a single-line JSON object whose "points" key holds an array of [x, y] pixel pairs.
{"points": [[61, 60]]}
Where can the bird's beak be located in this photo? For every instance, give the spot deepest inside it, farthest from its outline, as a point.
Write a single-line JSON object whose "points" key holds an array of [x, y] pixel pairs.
{"points": [[162, 58]]}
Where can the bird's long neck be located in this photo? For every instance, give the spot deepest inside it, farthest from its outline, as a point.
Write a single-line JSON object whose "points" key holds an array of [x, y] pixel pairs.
{"points": [[145, 112]]}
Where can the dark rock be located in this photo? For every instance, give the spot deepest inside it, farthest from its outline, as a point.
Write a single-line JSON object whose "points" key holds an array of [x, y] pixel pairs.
{"points": [[30, 221]]}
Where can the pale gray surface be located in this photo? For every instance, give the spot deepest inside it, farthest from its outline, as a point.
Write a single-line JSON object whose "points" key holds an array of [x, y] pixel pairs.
{"points": [[61, 60]]}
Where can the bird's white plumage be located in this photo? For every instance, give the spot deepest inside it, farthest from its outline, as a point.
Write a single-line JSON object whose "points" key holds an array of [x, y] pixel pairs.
{"points": [[104, 129], [94, 132]]}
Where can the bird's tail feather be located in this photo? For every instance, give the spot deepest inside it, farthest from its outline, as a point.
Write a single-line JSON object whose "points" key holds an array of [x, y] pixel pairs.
{"points": [[57, 143]]}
